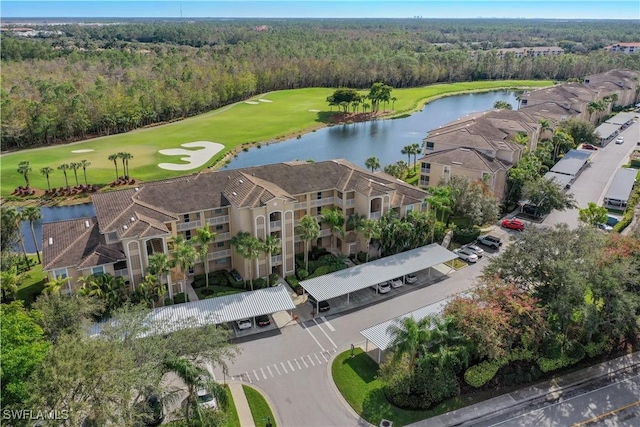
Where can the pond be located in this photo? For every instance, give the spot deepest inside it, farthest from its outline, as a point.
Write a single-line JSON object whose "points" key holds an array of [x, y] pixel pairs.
{"points": [[355, 142]]}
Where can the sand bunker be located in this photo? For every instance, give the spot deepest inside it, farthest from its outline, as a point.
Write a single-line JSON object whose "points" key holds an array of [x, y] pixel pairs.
{"points": [[315, 111], [88, 150], [251, 102], [194, 158], [264, 100]]}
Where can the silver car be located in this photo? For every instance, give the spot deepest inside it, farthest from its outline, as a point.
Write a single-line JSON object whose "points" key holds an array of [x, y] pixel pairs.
{"points": [[475, 249], [466, 255]]}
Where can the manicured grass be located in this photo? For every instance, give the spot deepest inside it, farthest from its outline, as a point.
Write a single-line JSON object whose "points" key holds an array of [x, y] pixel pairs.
{"points": [[232, 413], [218, 291], [356, 378], [231, 126], [32, 285], [456, 263], [260, 410]]}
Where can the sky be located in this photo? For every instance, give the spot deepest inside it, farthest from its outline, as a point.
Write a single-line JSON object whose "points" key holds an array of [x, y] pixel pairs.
{"points": [[561, 9]]}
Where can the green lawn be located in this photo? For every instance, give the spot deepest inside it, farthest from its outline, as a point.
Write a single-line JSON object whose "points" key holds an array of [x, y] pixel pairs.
{"points": [[260, 410], [33, 283], [288, 114]]}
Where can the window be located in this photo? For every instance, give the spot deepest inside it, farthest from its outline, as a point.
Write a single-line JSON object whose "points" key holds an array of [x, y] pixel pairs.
{"points": [[447, 169], [190, 271], [319, 210], [219, 227], [186, 217], [60, 273], [425, 168], [523, 101], [187, 235], [220, 244], [217, 211], [113, 236], [424, 181], [222, 260], [430, 146], [409, 208], [98, 271], [319, 195]]}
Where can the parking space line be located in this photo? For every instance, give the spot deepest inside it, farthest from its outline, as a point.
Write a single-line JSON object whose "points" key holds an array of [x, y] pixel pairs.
{"points": [[248, 377], [310, 360], [317, 358], [256, 374], [306, 328], [284, 368], [291, 366], [324, 357], [269, 369], [331, 328], [305, 363], [263, 374], [325, 334], [277, 370]]}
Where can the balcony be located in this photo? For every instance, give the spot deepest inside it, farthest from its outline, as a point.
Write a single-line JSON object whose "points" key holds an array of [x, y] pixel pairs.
{"points": [[216, 220], [275, 225], [189, 225], [221, 237], [219, 254], [375, 215], [425, 170], [121, 273], [276, 260], [323, 202], [350, 202], [300, 205], [325, 233]]}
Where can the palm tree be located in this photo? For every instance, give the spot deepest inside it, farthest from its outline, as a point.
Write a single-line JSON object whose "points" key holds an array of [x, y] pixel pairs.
{"points": [[11, 215], [408, 337], [440, 200], [335, 218], [521, 138], [184, 255], [160, 265], [64, 168], [372, 163], [271, 246], [415, 150], [55, 285], [90, 286], [113, 290], [85, 164], [75, 166], [9, 281], [203, 237], [121, 156], [24, 168], [33, 215], [249, 248], [408, 151], [46, 171], [502, 105], [393, 102], [370, 229], [114, 158], [308, 229], [127, 157]]}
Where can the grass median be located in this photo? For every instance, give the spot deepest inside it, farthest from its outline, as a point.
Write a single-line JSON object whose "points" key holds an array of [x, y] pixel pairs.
{"points": [[260, 410]]}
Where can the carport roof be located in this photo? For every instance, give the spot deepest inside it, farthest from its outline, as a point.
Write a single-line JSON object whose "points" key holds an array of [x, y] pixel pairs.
{"points": [[622, 118], [379, 335], [561, 179], [622, 185], [362, 276], [572, 162], [607, 130], [214, 311]]}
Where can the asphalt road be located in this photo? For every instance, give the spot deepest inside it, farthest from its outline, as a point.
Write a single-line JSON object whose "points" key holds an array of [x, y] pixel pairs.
{"points": [[592, 184]]}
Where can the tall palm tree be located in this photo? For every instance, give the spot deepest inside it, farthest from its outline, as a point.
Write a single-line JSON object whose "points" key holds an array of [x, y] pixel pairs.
{"points": [[408, 151], [203, 237], [54, 286], [64, 168], [121, 156], [127, 157], [11, 215], [393, 102], [46, 171], [114, 158], [370, 229], [249, 248], [85, 164], [34, 216], [90, 286], [415, 150], [372, 163], [24, 168], [335, 218], [185, 256], [160, 266], [114, 290], [271, 246], [308, 229], [75, 166], [408, 337]]}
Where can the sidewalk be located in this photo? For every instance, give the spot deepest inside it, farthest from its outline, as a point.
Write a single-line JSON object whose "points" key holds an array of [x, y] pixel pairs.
{"points": [[521, 398], [242, 405]]}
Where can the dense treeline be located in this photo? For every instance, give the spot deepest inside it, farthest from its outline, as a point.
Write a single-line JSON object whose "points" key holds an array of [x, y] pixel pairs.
{"points": [[101, 80]]}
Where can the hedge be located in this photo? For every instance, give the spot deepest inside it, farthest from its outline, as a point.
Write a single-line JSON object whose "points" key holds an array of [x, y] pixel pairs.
{"points": [[465, 235], [480, 374], [548, 365], [168, 301], [180, 298]]}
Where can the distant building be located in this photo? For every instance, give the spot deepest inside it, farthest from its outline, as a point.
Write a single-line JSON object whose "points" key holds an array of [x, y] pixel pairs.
{"points": [[627, 48], [531, 52]]}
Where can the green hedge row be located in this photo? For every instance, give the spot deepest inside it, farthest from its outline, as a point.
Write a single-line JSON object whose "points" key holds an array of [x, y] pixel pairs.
{"points": [[480, 374]]}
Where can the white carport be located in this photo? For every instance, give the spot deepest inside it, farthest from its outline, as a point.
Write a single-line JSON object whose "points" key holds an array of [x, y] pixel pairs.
{"points": [[379, 334], [214, 311], [362, 276]]}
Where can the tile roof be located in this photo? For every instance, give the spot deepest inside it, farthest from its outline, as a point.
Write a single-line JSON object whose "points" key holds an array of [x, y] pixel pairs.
{"points": [[77, 243], [467, 158]]}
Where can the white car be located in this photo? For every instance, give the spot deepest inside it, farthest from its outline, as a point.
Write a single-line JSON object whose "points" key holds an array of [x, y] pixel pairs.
{"points": [[396, 283], [466, 255], [206, 399], [244, 324], [410, 278], [475, 249], [382, 288], [620, 140]]}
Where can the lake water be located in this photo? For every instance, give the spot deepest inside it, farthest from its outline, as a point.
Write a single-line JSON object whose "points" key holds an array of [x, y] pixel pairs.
{"points": [[355, 142]]}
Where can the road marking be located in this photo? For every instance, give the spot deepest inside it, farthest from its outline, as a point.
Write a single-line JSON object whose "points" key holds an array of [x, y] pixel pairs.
{"points": [[606, 414], [269, 369], [256, 374], [284, 368], [331, 328], [263, 374], [277, 370], [314, 338], [305, 363], [317, 358], [291, 366], [248, 377], [324, 357], [325, 334], [310, 360]]}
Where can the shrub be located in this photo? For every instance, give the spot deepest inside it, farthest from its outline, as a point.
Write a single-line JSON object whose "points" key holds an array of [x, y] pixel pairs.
{"points": [[594, 349], [168, 301], [207, 292], [238, 285], [259, 283], [273, 279], [292, 281], [362, 256], [317, 252], [565, 359], [302, 273], [180, 298], [199, 281], [464, 235], [480, 374]]}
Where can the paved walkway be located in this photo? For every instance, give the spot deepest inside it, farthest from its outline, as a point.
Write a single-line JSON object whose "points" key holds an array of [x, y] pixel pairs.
{"points": [[519, 399], [191, 293], [242, 405]]}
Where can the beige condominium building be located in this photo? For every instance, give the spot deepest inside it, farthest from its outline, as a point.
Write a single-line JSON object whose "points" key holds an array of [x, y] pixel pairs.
{"points": [[622, 85], [133, 224]]}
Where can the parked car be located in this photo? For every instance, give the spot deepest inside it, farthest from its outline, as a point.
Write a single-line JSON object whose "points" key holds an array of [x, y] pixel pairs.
{"points": [[382, 288], [466, 255], [475, 249], [396, 283], [531, 210], [589, 147], [620, 140], [263, 320], [244, 324], [605, 227], [410, 278], [206, 399], [612, 220], [153, 409], [322, 305], [491, 241], [236, 276], [513, 224]]}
